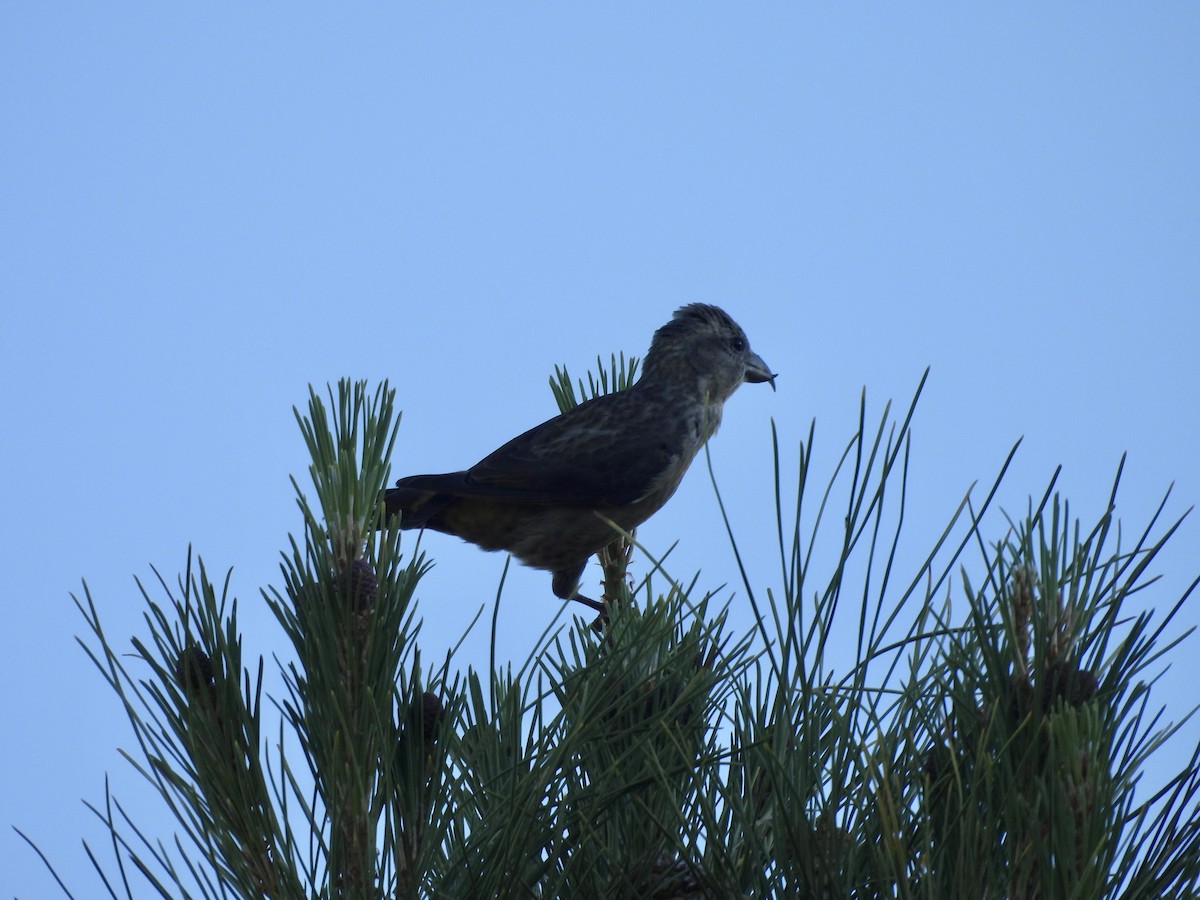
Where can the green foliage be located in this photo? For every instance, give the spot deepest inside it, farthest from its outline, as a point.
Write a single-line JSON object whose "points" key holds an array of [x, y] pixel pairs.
{"points": [[968, 720], [621, 373], [619, 376]]}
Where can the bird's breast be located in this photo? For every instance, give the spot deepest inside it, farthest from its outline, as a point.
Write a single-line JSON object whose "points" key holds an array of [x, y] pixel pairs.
{"points": [[687, 435]]}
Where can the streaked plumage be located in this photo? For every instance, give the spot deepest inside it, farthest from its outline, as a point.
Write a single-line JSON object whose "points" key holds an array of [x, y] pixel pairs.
{"points": [[620, 456]]}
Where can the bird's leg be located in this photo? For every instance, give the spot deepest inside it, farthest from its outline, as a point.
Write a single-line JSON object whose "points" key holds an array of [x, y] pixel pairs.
{"points": [[589, 602], [600, 607], [565, 584]]}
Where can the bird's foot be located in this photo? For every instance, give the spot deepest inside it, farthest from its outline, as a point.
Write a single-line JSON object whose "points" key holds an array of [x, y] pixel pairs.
{"points": [[597, 605], [603, 607]]}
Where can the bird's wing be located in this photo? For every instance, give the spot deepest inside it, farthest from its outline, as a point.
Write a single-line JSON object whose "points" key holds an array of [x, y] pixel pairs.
{"points": [[604, 453]]}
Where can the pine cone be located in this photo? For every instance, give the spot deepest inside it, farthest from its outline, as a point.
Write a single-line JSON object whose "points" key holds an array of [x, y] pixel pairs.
{"points": [[1066, 680], [194, 671], [431, 716], [357, 585], [668, 878]]}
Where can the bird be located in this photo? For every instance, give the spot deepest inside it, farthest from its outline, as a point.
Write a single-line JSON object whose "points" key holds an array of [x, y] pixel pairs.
{"points": [[551, 496]]}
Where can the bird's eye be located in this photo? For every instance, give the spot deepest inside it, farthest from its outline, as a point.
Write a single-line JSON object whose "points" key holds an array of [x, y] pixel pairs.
{"points": [[737, 344]]}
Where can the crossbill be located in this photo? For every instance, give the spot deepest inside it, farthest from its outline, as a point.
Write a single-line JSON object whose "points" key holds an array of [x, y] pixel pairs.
{"points": [[548, 496]]}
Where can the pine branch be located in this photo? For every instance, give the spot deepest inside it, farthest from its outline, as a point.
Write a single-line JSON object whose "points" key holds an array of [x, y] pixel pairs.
{"points": [[971, 720]]}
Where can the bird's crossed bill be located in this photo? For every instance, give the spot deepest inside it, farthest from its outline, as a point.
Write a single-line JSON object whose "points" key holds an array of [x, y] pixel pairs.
{"points": [[548, 496]]}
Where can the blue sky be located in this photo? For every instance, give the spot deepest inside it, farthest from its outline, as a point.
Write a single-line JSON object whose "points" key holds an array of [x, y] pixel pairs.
{"points": [[204, 210]]}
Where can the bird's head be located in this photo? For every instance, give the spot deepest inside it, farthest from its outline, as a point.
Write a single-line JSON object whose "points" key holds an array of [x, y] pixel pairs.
{"points": [[703, 342]]}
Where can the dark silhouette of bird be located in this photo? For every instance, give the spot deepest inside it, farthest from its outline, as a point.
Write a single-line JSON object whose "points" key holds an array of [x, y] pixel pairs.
{"points": [[549, 495]]}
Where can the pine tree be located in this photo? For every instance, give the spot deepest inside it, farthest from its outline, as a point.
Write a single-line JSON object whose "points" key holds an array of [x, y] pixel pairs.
{"points": [[984, 740]]}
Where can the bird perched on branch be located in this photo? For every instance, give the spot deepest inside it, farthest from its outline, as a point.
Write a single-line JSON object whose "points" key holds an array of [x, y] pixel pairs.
{"points": [[548, 496]]}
